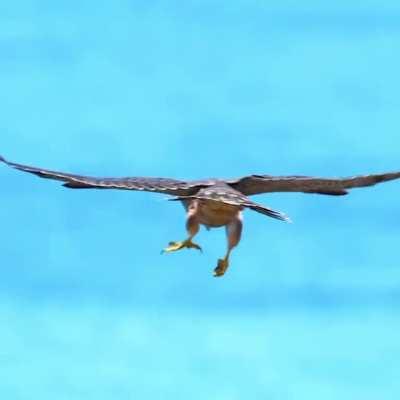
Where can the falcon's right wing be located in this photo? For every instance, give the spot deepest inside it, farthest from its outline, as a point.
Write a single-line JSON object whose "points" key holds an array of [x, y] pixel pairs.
{"points": [[160, 185]]}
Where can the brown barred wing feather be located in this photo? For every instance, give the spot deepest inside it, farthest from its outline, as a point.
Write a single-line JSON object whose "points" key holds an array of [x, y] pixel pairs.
{"points": [[159, 185], [256, 184]]}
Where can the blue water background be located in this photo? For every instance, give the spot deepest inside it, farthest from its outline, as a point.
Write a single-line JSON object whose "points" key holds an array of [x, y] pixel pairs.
{"points": [[89, 309]]}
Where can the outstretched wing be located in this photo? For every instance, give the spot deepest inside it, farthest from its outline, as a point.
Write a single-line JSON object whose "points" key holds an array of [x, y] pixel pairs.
{"points": [[256, 184], [160, 185]]}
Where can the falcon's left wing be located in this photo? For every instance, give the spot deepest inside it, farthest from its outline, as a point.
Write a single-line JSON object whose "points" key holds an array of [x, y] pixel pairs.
{"points": [[256, 184], [160, 185]]}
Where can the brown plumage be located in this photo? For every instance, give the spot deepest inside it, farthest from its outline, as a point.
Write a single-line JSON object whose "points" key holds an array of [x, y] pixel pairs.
{"points": [[215, 202]]}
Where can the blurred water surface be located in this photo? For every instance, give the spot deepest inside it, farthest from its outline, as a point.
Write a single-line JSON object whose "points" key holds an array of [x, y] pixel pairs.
{"points": [[88, 306]]}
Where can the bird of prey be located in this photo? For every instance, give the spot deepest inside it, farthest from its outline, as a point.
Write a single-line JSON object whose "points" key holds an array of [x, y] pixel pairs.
{"points": [[215, 202]]}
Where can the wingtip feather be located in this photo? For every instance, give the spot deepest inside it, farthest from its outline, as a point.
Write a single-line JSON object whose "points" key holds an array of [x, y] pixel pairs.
{"points": [[283, 218]]}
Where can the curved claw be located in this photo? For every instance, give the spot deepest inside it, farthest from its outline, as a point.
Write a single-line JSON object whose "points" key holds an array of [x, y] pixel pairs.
{"points": [[221, 267], [175, 246], [191, 245]]}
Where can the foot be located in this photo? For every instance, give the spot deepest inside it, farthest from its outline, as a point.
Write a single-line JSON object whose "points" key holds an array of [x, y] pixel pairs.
{"points": [[221, 268], [175, 246]]}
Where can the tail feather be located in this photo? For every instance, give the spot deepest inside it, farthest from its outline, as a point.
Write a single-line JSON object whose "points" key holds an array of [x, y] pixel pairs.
{"points": [[269, 212]]}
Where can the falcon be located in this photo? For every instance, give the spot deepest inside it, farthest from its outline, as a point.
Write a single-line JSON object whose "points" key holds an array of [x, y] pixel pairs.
{"points": [[215, 203]]}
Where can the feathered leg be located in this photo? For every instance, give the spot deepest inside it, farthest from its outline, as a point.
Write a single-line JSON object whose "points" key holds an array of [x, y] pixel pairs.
{"points": [[233, 233], [192, 227]]}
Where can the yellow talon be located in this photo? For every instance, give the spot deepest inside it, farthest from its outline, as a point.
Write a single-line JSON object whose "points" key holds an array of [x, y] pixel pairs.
{"points": [[175, 246], [221, 268]]}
